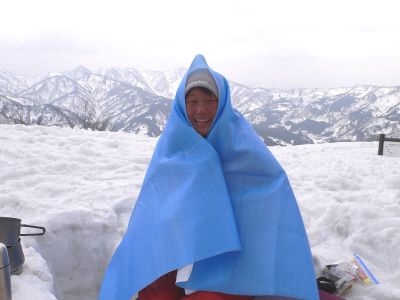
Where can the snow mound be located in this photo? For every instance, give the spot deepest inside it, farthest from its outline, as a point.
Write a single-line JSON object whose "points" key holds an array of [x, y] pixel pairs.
{"points": [[81, 186], [36, 281]]}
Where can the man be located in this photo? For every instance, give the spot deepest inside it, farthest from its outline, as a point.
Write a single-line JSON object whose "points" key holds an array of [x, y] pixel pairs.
{"points": [[201, 102], [214, 205]]}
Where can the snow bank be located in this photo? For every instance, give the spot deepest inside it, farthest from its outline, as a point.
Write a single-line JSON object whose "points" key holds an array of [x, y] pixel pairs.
{"points": [[36, 281], [349, 198], [82, 185]]}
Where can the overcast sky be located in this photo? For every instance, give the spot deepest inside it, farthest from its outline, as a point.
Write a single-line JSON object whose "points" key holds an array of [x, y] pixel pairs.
{"points": [[269, 43]]}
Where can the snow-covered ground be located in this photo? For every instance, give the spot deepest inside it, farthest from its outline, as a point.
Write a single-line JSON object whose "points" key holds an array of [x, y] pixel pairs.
{"points": [[82, 185]]}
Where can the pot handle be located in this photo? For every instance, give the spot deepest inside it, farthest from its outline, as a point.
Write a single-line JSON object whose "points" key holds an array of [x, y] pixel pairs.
{"points": [[31, 226]]}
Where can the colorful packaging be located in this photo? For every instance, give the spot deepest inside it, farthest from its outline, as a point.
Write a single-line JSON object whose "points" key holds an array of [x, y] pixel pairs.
{"points": [[363, 274]]}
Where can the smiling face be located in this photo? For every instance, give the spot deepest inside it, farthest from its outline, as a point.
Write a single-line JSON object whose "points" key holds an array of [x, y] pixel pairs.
{"points": [[201, 107]]}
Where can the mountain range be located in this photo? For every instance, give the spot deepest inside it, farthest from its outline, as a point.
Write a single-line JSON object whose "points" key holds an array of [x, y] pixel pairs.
{"points": [[140, 101]]}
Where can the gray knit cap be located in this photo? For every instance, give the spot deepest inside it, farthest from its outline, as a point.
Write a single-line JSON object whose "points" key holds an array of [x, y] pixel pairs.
{"points": [[201, 78]]}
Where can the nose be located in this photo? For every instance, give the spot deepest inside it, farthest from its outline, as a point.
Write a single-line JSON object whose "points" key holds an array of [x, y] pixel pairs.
{"points": [[201, 107]]}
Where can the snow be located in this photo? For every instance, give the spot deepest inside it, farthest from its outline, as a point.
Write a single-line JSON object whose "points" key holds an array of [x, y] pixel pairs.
{"points": [[81, 185], [36, 281], [386, 102]]}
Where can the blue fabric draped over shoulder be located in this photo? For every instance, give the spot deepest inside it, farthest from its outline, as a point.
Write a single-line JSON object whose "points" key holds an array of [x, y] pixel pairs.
{"points": [[222, 203]]}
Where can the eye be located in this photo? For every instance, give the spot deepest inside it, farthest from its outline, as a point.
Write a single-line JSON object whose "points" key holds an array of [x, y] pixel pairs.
{"points": [[191, 101]]}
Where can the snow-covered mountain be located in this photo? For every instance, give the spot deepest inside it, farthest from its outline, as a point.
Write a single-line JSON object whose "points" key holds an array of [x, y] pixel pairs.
{"points": [[341, 114], [139, 101]]}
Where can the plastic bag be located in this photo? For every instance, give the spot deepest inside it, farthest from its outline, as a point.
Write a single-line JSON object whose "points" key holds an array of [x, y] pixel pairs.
{"points": [[344, 274]]}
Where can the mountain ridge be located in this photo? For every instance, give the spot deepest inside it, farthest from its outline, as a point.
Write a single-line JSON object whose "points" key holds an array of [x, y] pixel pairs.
{"points": [[140, 101]]}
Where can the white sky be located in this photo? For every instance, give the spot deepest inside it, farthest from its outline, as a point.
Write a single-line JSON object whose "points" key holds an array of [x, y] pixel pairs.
{"points": [[270, 43]]}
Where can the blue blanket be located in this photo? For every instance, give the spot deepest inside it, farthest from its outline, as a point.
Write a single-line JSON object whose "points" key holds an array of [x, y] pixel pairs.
{"points": [[223, 203]]}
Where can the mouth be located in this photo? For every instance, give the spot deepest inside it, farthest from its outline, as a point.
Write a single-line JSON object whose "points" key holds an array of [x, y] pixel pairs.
{"points": [[202, 121], [202, 126]]}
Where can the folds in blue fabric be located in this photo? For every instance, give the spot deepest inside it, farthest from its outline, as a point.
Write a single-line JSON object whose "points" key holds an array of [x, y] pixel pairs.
{"points": [[221, 202]]}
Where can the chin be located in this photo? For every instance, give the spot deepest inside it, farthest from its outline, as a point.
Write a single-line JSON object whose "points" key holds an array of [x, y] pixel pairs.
{"points": [[203, 132]]}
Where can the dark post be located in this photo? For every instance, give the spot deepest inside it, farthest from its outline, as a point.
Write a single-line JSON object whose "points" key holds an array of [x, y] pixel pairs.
{"points": [[381, 140]]}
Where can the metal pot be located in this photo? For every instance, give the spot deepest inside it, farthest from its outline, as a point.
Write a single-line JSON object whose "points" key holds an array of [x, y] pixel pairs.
{"points": [[16, 257], [10, 229]]}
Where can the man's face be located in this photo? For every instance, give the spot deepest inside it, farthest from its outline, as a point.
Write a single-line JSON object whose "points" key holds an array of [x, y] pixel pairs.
{"points": [[201, 109]]}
